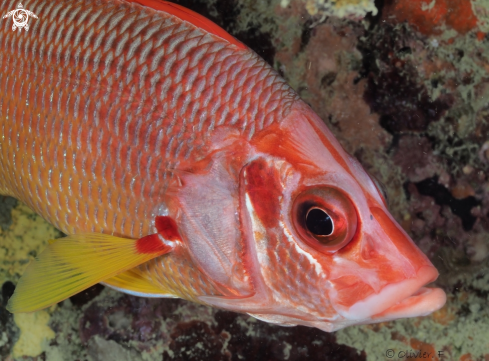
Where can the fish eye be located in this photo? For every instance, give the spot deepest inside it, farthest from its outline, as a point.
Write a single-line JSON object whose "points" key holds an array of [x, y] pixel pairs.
{"points": [[324, 218], [318, 222]]}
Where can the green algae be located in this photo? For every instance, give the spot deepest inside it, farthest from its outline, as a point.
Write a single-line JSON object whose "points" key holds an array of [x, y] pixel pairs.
{"points": [[7, 204], [26, 237], [341, 8], [35, 334]]}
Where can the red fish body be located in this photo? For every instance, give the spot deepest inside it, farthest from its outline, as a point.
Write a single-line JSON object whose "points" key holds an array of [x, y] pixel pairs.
{"points": [[148, 122]]}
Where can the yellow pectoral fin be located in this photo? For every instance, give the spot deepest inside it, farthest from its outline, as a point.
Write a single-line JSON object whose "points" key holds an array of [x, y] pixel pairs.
{"points": [[134, 283], [76, 262]]}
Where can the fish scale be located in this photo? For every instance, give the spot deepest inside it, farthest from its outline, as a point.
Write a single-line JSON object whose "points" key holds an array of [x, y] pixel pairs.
{"points": [[181, 165], [75, 109], [101, 100]]}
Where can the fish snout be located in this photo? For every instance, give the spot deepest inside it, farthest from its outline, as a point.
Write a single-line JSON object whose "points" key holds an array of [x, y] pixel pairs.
{"points": [[392, 283], [407, 298]]}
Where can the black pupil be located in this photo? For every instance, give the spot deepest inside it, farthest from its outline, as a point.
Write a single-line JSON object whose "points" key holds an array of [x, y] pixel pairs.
{"points": [[319, 222]]}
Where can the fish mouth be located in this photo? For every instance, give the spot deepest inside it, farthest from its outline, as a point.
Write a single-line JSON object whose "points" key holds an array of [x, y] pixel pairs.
{"points": [[421, 303], [408, 298]]}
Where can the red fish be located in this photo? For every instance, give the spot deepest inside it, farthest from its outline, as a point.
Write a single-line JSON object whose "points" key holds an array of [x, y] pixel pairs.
{"points": [[181, 165]]}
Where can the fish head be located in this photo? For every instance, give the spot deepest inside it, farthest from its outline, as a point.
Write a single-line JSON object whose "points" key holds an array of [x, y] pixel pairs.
{"points": [[322, 247]]}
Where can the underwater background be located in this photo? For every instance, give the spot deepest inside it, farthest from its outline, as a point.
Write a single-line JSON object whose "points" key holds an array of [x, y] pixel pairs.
{"points": [[404, 86]]}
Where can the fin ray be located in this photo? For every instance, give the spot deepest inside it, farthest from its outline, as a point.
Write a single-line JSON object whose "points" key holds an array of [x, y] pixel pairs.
{"points": [[74, 263], [134, 283]]}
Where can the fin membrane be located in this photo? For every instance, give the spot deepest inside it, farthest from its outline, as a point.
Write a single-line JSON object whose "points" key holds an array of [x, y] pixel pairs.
{"points": [[133, 283], [71, 264]]}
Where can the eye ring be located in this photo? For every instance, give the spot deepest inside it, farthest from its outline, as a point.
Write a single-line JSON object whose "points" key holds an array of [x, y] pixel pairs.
{"points": [[324, 202], [319, 222]]}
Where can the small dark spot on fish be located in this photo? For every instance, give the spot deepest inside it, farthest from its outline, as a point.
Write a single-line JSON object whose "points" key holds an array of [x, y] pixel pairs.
{"points": [[371, 217]]}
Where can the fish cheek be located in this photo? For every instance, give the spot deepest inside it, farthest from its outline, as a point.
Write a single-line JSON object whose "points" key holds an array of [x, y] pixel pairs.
{"points": [[205, 206], [263, 187], [278, 264]]}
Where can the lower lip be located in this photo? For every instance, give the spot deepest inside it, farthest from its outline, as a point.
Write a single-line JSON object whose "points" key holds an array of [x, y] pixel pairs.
{"points": [[421, 303], [399, 296]]}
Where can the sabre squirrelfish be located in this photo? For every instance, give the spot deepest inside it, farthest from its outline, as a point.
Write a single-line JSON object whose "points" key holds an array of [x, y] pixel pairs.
{"points": [[180, 164]]}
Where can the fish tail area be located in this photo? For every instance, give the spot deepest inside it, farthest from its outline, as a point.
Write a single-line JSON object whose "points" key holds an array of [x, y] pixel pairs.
{"points": [[135, 283], [71, 264]]}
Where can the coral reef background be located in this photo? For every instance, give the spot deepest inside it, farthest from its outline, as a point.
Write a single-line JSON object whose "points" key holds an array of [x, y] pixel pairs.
{"points": [[404, 86]]}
